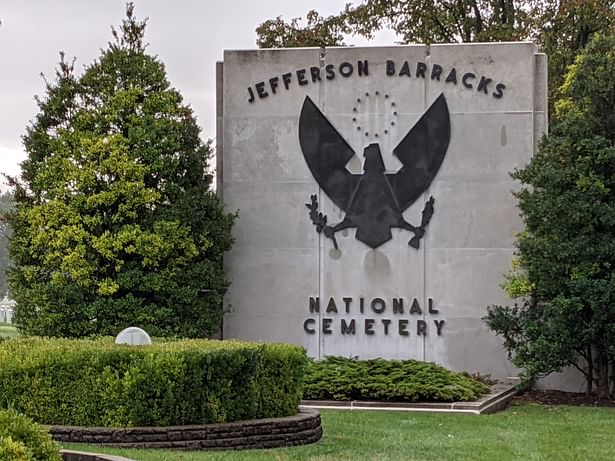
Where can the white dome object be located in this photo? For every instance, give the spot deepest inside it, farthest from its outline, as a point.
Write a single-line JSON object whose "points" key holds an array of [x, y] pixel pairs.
{"points": [[133, 336]]}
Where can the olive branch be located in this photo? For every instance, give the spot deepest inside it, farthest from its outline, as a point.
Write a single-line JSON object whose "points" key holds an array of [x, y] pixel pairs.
{"points": [[320, 220], [419, 232]]}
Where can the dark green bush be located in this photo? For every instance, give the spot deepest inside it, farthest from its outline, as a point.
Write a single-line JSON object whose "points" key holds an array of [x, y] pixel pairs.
{"points": [[23, 440], [397, 380], [96, 383]]}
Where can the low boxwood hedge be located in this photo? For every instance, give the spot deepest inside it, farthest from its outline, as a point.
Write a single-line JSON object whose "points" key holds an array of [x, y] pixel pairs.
{"points": [[97, 383], [341, 378], [23, 440]]}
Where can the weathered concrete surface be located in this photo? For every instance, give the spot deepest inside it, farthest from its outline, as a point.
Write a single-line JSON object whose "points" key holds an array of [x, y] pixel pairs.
{"points": [[279, 260], [73, 455]]}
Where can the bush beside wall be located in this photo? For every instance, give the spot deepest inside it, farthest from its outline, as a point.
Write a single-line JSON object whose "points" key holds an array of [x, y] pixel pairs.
{"points": [[23, 440], [96, 383], [389, 380]]}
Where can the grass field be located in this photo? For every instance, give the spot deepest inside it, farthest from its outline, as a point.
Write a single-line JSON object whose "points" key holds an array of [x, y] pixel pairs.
{"points": [[523, 432], [8, 330]]}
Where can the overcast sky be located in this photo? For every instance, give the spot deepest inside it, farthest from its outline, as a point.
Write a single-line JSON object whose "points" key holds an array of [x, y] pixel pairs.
{"points": [[189, 36]]}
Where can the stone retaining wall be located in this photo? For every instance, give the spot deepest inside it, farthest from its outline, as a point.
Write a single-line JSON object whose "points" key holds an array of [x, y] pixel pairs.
{"points": [[261, 433]]}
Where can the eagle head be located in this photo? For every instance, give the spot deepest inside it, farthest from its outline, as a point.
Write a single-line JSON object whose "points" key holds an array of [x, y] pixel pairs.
{"points": [[373, 158]]}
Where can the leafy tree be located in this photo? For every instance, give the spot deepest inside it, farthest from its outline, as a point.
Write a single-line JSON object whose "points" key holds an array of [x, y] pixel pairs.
{"points": [[554, 23], [114, 221], [567, 251], [319, 31], [564, 28], [423, 21], [448, 21]]}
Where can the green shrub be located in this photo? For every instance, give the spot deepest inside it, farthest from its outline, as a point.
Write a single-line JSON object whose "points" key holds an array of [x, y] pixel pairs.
{"points": [[23, 440], [11, 450], [398, 380], [283, 365], [97, 383]]}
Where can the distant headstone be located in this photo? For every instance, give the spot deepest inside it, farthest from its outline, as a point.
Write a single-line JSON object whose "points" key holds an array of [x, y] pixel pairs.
{"points": [[6, 309], [133, 336]]}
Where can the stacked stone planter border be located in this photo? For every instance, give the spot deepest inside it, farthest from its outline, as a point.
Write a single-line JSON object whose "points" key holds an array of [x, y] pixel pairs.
{"points": [[260, 433]]}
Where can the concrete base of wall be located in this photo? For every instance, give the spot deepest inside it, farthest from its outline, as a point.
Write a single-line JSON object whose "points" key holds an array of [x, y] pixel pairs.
{"points": [[498, 398], [71, 455]]}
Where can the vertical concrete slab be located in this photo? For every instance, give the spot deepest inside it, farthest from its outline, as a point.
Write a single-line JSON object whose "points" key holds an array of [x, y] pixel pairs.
{"points": [[378, 106], [541, 98], [274, 254], [219, 128], [290, 283]]}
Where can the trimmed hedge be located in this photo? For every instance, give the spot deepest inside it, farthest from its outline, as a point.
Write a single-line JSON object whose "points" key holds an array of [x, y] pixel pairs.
{"points": [[23, 440], [98, 383], [340, 378]]}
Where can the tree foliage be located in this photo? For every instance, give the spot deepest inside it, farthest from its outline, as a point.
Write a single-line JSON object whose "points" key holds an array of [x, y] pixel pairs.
{"points": [[114, 221], [422, 21], [318, 31], [446, 21], [564, 28], [567, 251], [6, 203], [554, 23]]}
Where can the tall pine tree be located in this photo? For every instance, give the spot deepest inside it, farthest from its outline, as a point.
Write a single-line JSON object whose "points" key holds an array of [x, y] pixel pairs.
{"points": [[115, 223]]}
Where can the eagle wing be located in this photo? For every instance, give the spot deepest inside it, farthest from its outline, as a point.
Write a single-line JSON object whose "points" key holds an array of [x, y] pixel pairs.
{"points": [[326, 153], [421, 153]]}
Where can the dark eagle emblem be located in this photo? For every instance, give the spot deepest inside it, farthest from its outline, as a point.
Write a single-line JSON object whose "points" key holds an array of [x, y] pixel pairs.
{"points": [[374, 201]]}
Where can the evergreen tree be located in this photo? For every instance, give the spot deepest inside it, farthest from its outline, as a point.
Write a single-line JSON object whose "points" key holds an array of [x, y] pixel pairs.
{"points": [[114, 222], [566, 255], [6, 203]]}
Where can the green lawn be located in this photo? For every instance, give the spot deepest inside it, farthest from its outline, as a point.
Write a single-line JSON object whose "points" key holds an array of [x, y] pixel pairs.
{"points": [[8, 330], [523, 432]]}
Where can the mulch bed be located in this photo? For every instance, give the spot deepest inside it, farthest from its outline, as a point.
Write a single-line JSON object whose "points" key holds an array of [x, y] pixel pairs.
{"points": [[563, 398]]}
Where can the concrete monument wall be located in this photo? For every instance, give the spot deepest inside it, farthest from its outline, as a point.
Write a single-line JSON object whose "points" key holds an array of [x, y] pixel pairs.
{"points": [[418, 139]]}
